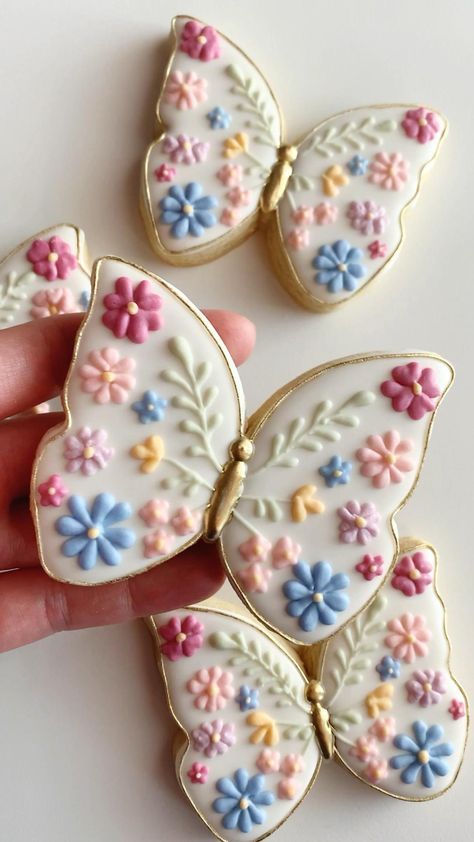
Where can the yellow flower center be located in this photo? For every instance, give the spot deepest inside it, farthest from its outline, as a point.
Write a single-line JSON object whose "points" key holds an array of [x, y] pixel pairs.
{"points": [[360, 522], [53, 257], [369, 215], [422, 122], [180, 637], [414, 574], [337, 473], [213, 690], [51, 491], [318, 597], [187, 145], [243, 803], [364, 749], [188, 210], [88, 452], [93, 532], [201, 39], [132, 308], [427, 687], [390, 458], [373, 568], [423, 756], [215, 738], [342, 267], [150, 407], [53, 309], [409, 638], [160, 544], [417, 388], [108, 376]]}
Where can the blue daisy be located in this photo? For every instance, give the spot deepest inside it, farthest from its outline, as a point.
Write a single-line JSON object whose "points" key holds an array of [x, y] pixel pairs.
{"points": [[316, 595], [187, 210], [339, 266], [92, 534]]}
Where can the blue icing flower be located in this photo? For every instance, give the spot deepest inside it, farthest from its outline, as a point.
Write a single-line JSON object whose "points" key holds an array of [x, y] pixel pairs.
{"points": [[247, 698], [92, 533], [187, 210], [315, 595], [219, 118], [336, 472], [84, 299], [423, 753], [388, 667], [339, 266], [358, 165], [242, 800], [150, 408]]}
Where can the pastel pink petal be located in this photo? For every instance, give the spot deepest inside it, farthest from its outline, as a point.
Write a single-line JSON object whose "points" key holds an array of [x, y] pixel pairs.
{"points": [[372, 469], [109, 355], [405, 446], [117, 393], [92, 384], [404, 464], [382, 479], [125, 365], [391, 440], [394, 475]]}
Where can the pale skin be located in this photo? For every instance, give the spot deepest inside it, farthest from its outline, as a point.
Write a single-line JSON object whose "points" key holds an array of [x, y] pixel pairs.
{"points": [[34, 362]]}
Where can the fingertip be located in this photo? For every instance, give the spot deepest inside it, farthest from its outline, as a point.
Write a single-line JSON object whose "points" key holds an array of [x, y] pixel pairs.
{"points": [[237, 332]]}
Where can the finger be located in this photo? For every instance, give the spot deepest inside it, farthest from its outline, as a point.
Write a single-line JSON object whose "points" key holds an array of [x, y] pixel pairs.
{"points": [[19, 439], [236, 331], [33, 606]]}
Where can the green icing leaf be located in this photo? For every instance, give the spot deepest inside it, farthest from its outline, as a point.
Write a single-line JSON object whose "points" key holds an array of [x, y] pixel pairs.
{"points": [[351, 136]]}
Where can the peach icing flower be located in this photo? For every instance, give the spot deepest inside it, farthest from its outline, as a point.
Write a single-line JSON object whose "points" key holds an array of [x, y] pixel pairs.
{"points": [[384, 458], [52, 302], [185, 90], [408, 637], [379, 699], [266, 730], [255, 578], [298, 238], [365, 747], [184, 521], [292, 764], [155, 512], [212, 688], [383, 729], [325, 213], [303, 215], [268, 761], [229, 217], [376, 769], [287, 789], [230, 174], [255, 548], [389, 171], [239, 196], [235, 145], [285, 552], [150, 452], [159, 542], [107, 376]]}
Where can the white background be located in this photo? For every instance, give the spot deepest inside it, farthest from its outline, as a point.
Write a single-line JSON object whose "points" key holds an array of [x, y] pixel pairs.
{"points": [[85, 738]]}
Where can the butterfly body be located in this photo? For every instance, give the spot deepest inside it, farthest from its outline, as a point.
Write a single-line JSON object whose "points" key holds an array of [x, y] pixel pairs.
{"points": [[228, 489], [278, 179]]}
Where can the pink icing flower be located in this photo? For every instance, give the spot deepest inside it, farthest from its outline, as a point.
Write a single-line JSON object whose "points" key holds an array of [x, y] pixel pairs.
{"points": [[285, 552], [185, 90], [255, 548], [182, 638], [255, 578], [52, 258], [200, 42], [325, 213], [303, 215], [165, 173], [384, 458], [370, 566], [238, 196], [412, 390], [359, 522], [268, 761], [184, 521], [389, 171], [229, 217], [107, 376], [383, 729], [365, 747], [457, 709], [212, 688], [287, 789], [230, 174], [198, 773], [367, 217], [412, 574], [53, 491], [377, 249], [298, 238], [213, 738], [421, 125], [51, 302], [87, 451], [408, 637], [159, 542], [185, 150], [155, 512], [376, 769], [132, 311], [292, 764], [426, 687]]}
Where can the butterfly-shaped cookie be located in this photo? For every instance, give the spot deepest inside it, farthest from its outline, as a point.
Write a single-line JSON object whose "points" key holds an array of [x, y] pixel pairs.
{"points": [[331, 205]]}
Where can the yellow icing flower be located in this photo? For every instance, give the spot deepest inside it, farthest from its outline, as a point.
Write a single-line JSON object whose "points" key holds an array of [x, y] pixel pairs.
{"points": [[303, 503], [235, 145], [379, 699], [151, 452], [266, 730], [333, 178]]}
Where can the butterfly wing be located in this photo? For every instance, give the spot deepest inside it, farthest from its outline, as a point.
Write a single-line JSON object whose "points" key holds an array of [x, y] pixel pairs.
{"points": [[337, 453], [399, 715], [341, 219], [248, 753], [219, 129], [152, 401]]}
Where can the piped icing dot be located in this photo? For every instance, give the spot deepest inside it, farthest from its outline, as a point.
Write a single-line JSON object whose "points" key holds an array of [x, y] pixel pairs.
{"points": [[93, 532], [318, 597], [360, 522], [414, 574], [337, 473], [180, 638], [108, 376], [201, 39], [422, 122], [342, 267], [243, 803], [188, 209], [53, 309], [390, 459], [51, 491], [423, 756], [427, 687], [417, 388], [132, 308], [88, 452], [53, 257], [213, 690], [215, 737]]}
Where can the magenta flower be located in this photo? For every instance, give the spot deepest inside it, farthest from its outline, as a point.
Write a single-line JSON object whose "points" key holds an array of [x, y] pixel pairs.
{"points": [[87, 451], [165, 173], [421, 125], [52, 258], [412, 574], [412, 389], [200, 42], [53, 491], [52, 302], [132, 312], [370, 566], [426, 687], [198, 773], [377, 249], [182, 638], [359, 522], [384, 458], [212, 738], [107, 376], [185, 150], [212, 688], [367, 217], [457, 709]]}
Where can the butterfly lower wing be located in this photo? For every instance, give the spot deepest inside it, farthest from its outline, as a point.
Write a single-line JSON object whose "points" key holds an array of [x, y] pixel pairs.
{"points": [[220, 128], [249, 754], [153, 401], [398, 713], [337, 453], [342, 216]]}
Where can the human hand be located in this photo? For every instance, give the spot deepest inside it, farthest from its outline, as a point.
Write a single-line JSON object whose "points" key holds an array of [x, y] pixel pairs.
{"points": [[35, 359]]}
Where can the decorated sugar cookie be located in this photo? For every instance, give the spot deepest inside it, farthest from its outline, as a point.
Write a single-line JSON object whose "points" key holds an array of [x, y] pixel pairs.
{"points": [[331, 205], [257, 719]]}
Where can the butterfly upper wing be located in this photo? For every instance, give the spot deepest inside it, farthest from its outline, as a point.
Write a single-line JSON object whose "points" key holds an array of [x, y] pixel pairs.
{"points": [[153, 401], [217, 142], [391, 700], [294, 549], [259, 709], [353, 178]]}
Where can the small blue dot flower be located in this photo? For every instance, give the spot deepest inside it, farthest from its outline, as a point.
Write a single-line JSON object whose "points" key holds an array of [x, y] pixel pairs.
{"points": [[388, 668], [150, 408], [219, 118], [242, 800], [315, 595], [423, 754], [92, 534], [84, 299], [336, 472], [247, 698], [358, 165], [187, 210], [339, 266]]}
